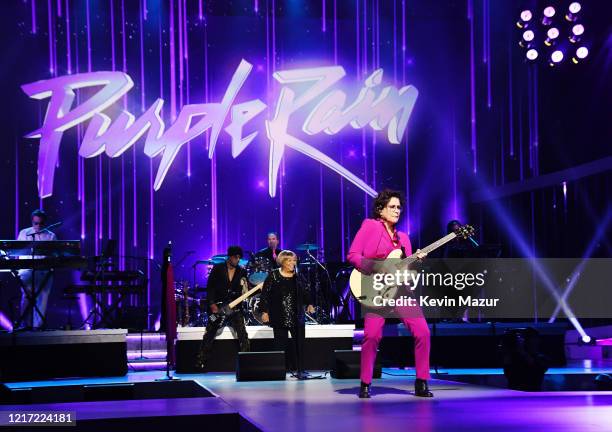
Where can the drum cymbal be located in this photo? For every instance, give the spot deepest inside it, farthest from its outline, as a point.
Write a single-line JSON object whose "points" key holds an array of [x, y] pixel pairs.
{"points": [[218, 259], [307, 247]]}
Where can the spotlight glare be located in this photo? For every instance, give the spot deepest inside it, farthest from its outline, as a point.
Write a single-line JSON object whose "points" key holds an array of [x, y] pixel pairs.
{"points": [[582, 52], [586, 339], [556, 56], [549, 12], [526, 15], [531, 54], [575, 7], [578, 29], [528, 35]]}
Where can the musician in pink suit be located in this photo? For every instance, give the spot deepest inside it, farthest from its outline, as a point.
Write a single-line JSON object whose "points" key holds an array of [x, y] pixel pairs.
{"points": [[375, 239]]}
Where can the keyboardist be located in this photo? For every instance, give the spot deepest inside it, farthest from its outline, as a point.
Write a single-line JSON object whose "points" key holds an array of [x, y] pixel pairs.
{"points": [[43, 278]]}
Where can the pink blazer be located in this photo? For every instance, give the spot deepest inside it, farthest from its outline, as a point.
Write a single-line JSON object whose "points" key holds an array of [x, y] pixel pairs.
{"points": [[372, 241]]}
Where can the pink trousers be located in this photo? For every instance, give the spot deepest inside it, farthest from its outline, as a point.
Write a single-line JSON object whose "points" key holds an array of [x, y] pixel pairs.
{"points": [[373, 334]]}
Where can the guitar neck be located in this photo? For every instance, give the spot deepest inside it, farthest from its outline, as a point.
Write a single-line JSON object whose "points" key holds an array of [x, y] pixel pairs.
{"points": [[432, 247], [244, 296]]}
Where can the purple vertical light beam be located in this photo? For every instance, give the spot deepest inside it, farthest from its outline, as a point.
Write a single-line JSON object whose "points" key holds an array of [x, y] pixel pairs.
{"points": [[536, 135], [142, 65], [186, 58], [335, 32], [364, 71], [16, 188], [180, 52], [407, 211], [172, 65], [520, 118], [68, 50], [114, 67], [88, 36], [530, 116], [50, 29], [323, 26], [122, 224], [510, 104], [488, 51], [472, 88], [394, 41], [33, 16]]}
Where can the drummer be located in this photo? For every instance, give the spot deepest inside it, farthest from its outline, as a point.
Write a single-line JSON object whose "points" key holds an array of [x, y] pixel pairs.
{"points": [[265, 259]]}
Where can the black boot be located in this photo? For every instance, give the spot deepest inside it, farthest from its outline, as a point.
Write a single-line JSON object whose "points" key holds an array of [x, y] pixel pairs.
{"points": [[364, 391], [421, 389]]}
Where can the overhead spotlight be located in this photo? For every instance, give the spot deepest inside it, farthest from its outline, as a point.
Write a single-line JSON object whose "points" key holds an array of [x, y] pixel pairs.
{"points": [[577, 32], [586, 340], [549, 13], [526, 16], [581, 54], [528, 36], [551, 35], [531, 54], [573, 10], [556, 57]]}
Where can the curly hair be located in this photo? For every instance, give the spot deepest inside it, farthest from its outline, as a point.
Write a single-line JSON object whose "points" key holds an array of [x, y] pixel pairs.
{"points": [[235, 250], [383, 198]]}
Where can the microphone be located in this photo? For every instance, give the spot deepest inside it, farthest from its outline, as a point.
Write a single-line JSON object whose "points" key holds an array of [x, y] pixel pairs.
{"points": [[55, 225], [46, 229]]}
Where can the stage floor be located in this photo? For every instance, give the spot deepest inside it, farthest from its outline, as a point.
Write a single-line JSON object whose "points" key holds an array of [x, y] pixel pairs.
{"points": [[332, 405]]}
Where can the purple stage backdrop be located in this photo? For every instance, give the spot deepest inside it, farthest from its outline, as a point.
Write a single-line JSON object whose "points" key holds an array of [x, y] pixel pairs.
{"points": [[483, 120]]}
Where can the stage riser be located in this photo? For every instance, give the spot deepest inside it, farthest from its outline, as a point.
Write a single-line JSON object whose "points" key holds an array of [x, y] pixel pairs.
{"points": [[318, 353], [224, 422], [463, 351], [38, 362], [27, 356]]}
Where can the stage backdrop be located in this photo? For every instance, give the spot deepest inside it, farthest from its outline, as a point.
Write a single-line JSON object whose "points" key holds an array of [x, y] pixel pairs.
{"points": [[279, 153]]}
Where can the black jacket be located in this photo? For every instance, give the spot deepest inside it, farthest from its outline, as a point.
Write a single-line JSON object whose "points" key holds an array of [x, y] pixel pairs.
{"points": [[219, 289], [284, 299]]}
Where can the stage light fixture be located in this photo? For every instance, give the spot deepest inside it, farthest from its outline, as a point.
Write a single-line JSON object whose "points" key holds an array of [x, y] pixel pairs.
{"points": [[556, 57], [525, 16], [551, 35], [577, 32], [549, 13], [531, 54], [573, 10], [528, 36], [585, 339], [581, 54]]}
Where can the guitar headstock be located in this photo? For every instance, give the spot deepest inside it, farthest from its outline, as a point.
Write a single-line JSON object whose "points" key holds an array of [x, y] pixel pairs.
{"points": [[465, 231]]}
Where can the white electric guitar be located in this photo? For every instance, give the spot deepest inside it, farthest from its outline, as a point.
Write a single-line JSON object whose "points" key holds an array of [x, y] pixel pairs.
{"points": [[358, 280]]}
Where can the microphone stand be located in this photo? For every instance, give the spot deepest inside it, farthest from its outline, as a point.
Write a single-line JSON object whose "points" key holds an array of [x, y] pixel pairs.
{"points": [[322, 266]]}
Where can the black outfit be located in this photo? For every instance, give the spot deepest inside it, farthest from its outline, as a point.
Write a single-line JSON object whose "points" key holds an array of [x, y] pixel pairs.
{"points": [[221, 291], [284, 299]]}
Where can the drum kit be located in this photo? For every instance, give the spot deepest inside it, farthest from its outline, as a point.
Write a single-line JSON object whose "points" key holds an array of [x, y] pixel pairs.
{"points": [[192, 307]]}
